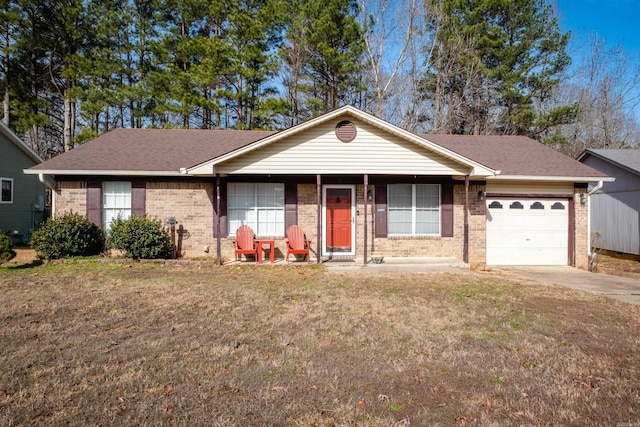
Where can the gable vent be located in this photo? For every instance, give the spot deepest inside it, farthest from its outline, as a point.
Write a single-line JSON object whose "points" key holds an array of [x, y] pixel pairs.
{"points": [[346, 131]]}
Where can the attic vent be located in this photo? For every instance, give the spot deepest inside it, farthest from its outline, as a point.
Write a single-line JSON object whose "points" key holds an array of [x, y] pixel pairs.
{"points": [[346, 131]]}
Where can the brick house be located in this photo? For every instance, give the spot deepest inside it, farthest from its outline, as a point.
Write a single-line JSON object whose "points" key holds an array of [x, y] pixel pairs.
{"points": [[355, 184]]}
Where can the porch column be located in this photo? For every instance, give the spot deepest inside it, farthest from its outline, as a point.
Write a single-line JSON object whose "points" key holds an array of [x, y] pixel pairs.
{"points": [[366, 203], [466, 220], [319, 217], [217, 225]]}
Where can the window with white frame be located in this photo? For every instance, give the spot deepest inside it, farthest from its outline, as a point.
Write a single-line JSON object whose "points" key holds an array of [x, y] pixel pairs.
{"points": [[258, 205], [414, 209], [7, 190], [116, 200]]}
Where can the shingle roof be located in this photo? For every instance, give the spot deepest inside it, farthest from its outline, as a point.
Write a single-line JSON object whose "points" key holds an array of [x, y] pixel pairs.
{"points": [[151, 149], [514, 155], [626, 158], [169, 150]]}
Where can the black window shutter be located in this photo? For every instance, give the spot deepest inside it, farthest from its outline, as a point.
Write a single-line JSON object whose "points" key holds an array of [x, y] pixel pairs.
{"points": [[381, 211], [138, 197], [290, 205], [447, 209], [94, 202]]}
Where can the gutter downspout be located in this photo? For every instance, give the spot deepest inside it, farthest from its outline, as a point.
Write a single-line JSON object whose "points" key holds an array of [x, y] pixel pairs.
{"points": [[50, 183], [589, 194]]}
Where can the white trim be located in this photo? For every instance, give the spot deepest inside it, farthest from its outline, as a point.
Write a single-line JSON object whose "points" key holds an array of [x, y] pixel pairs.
{"points": [[325, 252], [551, 178], [13, 189]]}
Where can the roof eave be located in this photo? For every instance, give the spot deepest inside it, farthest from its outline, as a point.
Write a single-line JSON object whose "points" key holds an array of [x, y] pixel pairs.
{"points": [[550, 178], [85, 172]]}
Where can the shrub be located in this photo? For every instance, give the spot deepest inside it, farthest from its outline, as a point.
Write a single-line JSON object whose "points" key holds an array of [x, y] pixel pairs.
{"points": [[139, 237], [66, 235], [6, 248]]}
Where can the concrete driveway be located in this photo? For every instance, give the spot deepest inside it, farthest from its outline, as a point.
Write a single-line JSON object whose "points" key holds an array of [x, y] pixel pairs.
{"points": [[620, 288]]}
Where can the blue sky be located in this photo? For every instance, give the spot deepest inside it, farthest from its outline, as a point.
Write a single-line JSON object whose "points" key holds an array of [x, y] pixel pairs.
{"points": [[617, 22]]}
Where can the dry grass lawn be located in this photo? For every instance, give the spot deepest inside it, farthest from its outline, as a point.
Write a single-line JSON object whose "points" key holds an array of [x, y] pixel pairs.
{"points": [[92, 344]]}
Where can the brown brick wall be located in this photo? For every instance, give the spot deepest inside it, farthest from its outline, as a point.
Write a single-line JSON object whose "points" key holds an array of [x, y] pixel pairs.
{"points": [[70, 196], [581, 230], [191, 204]]}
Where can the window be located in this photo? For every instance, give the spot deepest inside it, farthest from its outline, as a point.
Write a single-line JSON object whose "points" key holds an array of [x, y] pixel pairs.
{"points": [[7, 190], [414, 209], [258, 205], [116, 200]]}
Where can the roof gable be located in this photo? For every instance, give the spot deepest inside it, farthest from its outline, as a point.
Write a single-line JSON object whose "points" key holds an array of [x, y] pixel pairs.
{"points": [[624, 158], [318, 150], [12, 137], [313, 147]]}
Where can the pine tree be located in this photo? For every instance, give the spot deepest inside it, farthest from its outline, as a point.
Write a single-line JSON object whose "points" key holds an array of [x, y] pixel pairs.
{"points": [[494, 61]]}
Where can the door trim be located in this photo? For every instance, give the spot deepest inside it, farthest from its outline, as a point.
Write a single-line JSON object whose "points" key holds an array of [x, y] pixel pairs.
{"points": [[325, 252]]}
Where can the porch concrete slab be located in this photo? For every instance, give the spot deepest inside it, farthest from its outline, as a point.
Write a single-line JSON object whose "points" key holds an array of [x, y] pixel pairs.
{"points": [[621, 288], [399, 265]]}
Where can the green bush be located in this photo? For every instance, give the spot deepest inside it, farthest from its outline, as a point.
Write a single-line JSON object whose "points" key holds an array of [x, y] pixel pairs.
{"points": [[6, 248], [67, 235], [139, 237]]}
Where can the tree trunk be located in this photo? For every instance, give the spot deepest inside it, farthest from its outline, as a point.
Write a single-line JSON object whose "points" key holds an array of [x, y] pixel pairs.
{"points": [[68, 116], [5, 100]]}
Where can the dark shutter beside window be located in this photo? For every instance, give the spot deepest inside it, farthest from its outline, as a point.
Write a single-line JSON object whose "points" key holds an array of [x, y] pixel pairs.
{"points": [[290, 205], [94, 202], [446, 209], [138, 197], [381, 211]]}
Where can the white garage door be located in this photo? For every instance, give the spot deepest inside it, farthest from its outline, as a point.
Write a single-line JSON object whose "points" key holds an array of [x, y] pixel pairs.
{"points": [[527, 231]]}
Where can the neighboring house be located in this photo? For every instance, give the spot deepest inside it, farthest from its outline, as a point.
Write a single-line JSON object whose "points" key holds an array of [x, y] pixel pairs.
{"points": [[615, 208], [355, 184], [22, 198]]}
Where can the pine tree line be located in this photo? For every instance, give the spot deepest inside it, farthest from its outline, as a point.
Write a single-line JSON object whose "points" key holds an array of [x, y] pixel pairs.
{"points": [[74, 69]]}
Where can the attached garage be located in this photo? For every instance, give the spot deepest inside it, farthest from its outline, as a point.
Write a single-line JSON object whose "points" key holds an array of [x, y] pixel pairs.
{"points": [[527, 231]]}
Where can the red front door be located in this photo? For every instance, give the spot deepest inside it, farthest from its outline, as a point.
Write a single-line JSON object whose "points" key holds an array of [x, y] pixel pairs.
{"points": [[338, 233]]}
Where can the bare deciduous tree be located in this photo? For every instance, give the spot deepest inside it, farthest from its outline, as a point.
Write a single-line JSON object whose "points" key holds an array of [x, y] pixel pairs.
{"points": [[606, 87]]}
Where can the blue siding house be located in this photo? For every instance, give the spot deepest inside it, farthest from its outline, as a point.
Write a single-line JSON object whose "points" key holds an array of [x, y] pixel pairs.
{"points": [[22, 197]]}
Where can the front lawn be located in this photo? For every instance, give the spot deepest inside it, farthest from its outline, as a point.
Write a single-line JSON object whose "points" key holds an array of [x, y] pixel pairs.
{"points": [[118, 344]]}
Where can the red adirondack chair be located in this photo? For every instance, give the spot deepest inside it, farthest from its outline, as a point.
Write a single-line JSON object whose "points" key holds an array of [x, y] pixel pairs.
{"points": [[245, 243], [297, 244]]}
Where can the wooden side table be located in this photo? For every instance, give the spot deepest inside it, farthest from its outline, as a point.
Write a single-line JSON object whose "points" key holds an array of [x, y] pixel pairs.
{"points": [[272, 247]]}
